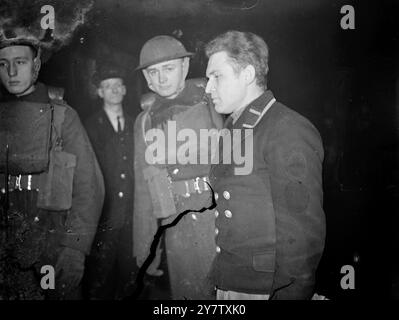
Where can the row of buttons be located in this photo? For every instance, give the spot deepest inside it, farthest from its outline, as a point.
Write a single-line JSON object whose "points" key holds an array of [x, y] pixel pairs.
{"points": [[123, 176], [226, 195], [227, 213]]}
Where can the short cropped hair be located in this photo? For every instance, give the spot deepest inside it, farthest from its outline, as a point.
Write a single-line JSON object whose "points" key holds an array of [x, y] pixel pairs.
{"points": [[243, 49]]}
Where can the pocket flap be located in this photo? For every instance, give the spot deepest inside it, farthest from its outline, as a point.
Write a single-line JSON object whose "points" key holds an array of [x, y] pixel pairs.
{"points": [[264, 261], [64, 159]]}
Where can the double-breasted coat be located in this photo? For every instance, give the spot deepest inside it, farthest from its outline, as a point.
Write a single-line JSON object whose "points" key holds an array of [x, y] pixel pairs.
{"points": [[270, 224]]}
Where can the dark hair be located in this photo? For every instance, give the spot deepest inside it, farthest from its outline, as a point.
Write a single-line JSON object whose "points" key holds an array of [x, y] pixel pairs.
{"points": [[243, 49]]}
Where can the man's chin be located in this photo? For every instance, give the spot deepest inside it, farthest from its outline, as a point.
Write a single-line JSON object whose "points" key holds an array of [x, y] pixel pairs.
{"points": [[19, 90], [15, 90], [220, 109], [167, 94]]}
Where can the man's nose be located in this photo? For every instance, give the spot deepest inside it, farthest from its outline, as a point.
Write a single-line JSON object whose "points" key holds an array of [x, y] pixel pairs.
{"points": [[162, 77], [208, 87], [12, 70]]}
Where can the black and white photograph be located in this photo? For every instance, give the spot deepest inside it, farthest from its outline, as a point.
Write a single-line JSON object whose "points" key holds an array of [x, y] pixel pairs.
{"points": [[178, 150]]}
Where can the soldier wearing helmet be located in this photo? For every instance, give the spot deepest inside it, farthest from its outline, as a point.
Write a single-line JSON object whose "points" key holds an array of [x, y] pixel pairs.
{"points": [[51, 185], [163, 190]]}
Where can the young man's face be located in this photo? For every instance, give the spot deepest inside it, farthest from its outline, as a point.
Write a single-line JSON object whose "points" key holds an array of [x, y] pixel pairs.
{"points": [[167, 78], [112, 91], [18, 69], [227, 88]]}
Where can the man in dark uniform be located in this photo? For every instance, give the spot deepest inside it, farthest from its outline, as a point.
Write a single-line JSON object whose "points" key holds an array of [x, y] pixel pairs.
{"points": [[52, 188], [270, 222], [163, 189], [111, 267]]}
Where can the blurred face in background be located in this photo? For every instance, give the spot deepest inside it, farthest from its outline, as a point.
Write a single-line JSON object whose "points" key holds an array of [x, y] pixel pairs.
{"points": [[112, 91]]}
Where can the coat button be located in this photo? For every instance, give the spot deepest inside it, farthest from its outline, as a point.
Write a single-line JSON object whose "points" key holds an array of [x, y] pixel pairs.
{"points": [[175, 171], [228, 214], [120, 194], [216, 231], [124, 158], [226, 195], [217, 249], [123, 176], [216, 213], [194, 216], [216, 196]]}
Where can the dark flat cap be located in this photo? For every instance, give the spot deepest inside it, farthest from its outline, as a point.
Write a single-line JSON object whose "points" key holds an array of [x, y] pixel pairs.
{"points": [[107, 71]]}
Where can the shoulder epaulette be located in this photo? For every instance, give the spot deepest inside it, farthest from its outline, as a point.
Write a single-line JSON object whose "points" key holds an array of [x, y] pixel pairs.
{"points": [[147, 100], [198, 82], [56, 94]]}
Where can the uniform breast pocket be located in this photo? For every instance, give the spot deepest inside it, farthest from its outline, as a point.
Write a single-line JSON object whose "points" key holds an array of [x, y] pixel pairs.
{"points": [[56, 185], [264, 261]]}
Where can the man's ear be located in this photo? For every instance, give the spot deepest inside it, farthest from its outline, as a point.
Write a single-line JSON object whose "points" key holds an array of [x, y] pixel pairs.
{"points": [[100, 93], [37, 63], [186, 66], [147, 77], [123, 89], [250, 74]]}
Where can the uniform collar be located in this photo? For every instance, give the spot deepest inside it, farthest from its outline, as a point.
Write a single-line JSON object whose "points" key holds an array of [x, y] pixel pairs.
{"points": [[39, 95], [252, 113]]}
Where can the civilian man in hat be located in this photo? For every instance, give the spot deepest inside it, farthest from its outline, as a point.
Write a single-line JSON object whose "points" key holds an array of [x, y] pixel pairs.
{"points": [[52, 188], [111, 267], [164, 188], [270, 222]]}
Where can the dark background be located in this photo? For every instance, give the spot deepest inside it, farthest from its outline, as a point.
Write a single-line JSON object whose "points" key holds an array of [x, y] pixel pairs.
{"points": [[344, 81]]}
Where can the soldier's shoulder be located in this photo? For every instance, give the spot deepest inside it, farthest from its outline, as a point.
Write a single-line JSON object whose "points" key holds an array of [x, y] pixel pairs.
{"points": [[194, 92], [70, 119], [139, 118], [197, 83], [69, 111], [279, 112], [148, 100], [287, 118]]}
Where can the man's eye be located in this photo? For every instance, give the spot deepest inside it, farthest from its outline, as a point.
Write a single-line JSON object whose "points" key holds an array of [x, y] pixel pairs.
{"points": [[20, 62], [2, 64], [152, 73]]}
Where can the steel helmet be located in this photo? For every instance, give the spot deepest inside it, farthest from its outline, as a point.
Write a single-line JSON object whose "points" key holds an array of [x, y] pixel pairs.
{"points": [[15, 37], [160, 49]]}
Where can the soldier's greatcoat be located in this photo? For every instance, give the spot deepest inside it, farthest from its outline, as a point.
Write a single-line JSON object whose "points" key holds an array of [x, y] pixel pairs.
{"points": [[270, 223], [189, 245], [62, 211]]}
